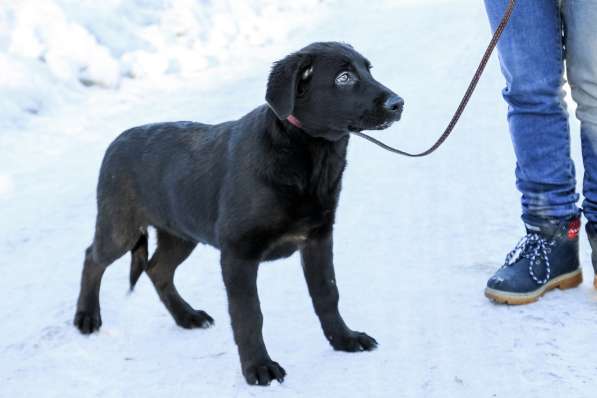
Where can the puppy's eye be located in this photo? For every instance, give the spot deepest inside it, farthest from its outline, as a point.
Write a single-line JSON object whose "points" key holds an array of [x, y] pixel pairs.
{"points": [[344, 78], [307, 73]]}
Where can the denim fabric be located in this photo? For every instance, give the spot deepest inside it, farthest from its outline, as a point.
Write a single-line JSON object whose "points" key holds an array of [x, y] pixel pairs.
{"points": [[580, 18], [542, 35]]}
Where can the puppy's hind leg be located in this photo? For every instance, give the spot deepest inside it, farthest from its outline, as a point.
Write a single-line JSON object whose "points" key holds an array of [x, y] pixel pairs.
{"points": [[110, 243], [87, 317], [170, 253]]}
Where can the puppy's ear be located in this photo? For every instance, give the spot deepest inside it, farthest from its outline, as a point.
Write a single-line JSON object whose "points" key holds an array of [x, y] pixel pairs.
{"points": [[283, 83]]}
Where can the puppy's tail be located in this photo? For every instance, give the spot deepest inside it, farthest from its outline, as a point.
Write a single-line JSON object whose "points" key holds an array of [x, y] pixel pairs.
{"points": [[139, 260]]}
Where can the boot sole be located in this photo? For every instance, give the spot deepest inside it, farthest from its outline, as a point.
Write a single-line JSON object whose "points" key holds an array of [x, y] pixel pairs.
{"points": [[562, 282]]}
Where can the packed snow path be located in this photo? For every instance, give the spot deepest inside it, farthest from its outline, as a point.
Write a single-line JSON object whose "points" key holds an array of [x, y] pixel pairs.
{"points": [[415, 243]]}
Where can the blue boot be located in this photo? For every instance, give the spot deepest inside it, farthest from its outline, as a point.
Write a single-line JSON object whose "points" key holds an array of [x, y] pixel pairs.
{"points": [[545, 258], [592, 234]]}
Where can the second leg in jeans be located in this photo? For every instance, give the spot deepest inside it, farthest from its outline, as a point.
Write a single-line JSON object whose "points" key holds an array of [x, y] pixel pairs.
{"points": [[581, 44]]}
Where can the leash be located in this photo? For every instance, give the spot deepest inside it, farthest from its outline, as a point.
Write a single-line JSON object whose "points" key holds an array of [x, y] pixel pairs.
{"points": [[467, 96]]}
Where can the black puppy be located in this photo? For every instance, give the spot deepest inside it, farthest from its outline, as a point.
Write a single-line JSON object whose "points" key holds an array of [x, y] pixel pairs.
{"points": [[258, 189]]}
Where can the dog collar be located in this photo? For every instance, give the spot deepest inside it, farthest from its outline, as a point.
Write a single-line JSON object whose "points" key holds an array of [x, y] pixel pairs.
{"points": [[294, 121]]}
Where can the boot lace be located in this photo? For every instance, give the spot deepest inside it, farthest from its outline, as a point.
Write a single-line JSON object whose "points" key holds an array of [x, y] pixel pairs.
{"points": [[536, 249]]}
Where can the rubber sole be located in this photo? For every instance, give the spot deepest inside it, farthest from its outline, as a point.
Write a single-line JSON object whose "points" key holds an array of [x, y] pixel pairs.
{"points": [[566, 281]]}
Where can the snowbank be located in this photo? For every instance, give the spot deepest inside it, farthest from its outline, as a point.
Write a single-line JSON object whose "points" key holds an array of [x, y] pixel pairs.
{"points": [[50, 47]]}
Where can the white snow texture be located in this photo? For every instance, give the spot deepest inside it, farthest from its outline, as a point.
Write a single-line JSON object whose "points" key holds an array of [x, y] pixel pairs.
{"points": [[415, 239]]}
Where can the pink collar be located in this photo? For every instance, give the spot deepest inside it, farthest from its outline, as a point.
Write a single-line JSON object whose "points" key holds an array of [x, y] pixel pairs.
{"points": [[294, 121]]}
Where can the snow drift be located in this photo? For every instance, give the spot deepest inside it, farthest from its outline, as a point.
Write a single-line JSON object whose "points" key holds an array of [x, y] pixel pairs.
{"points": [[52, 48]]}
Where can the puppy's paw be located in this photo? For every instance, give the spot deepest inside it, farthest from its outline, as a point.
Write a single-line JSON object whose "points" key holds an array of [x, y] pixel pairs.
{"points": [[195, 319], [352, 342], [87, 321], [263, 372]]}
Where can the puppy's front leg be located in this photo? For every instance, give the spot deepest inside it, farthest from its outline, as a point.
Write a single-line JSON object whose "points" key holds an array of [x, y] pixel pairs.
{"points": [[318, 267], [240, 278]]}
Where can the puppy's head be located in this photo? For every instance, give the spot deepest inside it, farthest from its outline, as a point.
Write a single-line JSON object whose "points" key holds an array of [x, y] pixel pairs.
{"points": [[329, 88]]}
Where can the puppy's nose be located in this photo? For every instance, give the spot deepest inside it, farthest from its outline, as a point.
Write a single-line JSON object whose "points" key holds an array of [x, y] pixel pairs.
{"points": [[394, 104]]}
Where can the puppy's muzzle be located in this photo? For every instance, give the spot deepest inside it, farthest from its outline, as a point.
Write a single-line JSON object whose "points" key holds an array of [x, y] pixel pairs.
{"points": [[394, 105]]}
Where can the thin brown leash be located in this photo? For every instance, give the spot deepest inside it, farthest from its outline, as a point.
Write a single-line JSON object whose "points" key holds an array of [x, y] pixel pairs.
{"points": [[467, 96]]}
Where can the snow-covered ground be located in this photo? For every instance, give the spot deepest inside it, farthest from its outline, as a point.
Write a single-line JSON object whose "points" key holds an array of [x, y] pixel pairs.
{"points": [[415, 240], [49, 49]]}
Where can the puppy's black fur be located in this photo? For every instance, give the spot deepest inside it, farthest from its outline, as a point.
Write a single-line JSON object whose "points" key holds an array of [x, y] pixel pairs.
{"points": [[259, 188]]}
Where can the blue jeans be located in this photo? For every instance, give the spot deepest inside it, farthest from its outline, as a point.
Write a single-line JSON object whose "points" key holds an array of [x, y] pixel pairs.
{"points": [[541, 37]]}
